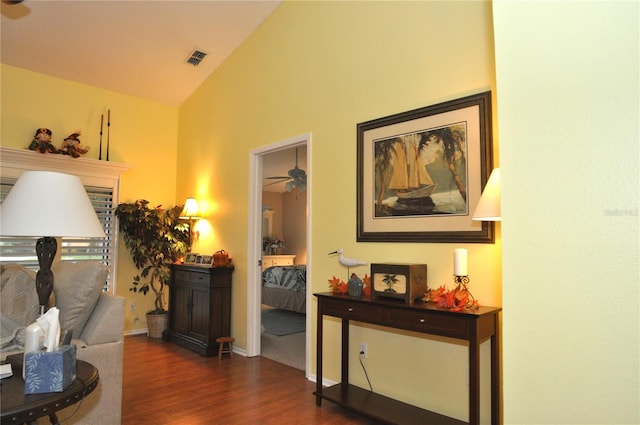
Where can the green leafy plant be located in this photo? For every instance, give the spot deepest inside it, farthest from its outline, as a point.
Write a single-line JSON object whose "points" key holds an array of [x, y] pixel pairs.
{"points": [[155, 238]]}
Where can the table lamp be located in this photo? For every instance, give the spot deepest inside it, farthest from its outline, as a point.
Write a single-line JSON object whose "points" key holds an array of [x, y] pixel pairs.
{"points": [[53, 204], [191, 212], [488, 208]]}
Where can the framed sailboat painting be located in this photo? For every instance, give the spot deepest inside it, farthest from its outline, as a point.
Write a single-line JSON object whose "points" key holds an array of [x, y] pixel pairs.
{"points": [[420, 173]]}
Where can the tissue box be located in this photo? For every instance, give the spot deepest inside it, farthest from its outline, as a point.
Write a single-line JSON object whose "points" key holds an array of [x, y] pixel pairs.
{"points": [[48, 372]]}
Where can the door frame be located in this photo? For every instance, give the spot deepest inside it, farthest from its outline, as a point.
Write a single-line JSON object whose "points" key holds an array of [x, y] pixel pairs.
{"points": [[254, 248]]}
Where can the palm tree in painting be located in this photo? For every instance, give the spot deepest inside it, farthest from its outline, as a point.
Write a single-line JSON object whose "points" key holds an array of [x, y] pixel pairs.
{"points": [[453, 139], [384, 153], [389, 280]]}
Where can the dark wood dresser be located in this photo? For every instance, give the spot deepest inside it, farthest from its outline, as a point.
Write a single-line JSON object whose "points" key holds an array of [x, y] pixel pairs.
{"points": [[474, 327], [199, 307]]}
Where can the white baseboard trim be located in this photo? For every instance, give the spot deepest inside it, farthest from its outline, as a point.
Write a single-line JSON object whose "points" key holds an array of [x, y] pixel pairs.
{"points": [[240, 351], [325, 382], [140, 331]]}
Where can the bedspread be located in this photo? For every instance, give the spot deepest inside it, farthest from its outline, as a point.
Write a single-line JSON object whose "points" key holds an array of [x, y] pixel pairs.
{"points": [[293, 278]]}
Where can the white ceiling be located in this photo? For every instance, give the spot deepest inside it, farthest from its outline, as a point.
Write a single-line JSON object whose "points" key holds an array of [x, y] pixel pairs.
{"points": [[137, 47]]}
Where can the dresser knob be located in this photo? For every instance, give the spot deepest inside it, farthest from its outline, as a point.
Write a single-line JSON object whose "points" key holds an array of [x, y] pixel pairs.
{"points": [[421, 320], [350, 309]]}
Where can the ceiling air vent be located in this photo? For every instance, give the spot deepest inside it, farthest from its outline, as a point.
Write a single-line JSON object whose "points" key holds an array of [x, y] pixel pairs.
{"points": [[196, 57]]}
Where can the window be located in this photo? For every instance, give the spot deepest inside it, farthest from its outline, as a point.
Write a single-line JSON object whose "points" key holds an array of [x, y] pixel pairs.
{"points": [[101, 180], [95, 248]]}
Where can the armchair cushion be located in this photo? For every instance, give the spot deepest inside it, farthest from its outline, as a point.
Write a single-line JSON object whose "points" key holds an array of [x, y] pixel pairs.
{"points": [[106, 323], [19, 300], [77, 287], [19, 305]]}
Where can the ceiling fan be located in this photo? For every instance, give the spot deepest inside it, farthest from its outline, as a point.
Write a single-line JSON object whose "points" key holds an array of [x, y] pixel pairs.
{"points": [[295, 178]]}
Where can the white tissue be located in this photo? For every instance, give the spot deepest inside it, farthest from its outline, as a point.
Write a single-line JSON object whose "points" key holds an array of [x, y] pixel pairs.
{"points": [[51, 326]]}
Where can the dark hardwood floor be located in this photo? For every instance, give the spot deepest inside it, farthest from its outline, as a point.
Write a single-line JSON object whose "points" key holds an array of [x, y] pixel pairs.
{"points": [[167, 384]]}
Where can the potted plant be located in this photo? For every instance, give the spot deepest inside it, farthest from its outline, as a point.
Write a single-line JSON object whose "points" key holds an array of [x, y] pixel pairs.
{"points": [[155, 238]]}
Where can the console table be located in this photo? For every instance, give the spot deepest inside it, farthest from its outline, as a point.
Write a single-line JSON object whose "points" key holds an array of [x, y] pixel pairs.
{"points": [[474, 326]]}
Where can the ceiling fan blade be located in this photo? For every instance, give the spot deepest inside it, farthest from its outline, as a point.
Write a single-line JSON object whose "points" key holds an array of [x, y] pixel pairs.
{"points": [[277, 177], [281, 181]]}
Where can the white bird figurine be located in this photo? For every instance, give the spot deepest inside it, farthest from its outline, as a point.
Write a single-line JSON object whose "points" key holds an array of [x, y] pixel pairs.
{"points": [[348, 262]]}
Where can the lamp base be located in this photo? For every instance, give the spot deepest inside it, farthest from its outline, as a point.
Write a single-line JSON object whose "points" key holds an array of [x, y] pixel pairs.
{"points": [[46, 249]]}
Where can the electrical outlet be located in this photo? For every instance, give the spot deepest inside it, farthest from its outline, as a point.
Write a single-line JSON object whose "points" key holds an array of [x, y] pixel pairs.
{"points": [[363, 350], [132, 307]]}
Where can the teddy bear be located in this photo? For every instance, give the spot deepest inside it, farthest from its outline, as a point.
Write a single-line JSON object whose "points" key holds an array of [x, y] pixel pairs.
{"points": [[71, 146], [42, 141]]}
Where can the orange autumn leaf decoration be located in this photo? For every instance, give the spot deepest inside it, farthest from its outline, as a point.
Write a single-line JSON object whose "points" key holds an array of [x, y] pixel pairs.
{"points": [[454, 299], [448, 300], [366, 288], [338, 286]]}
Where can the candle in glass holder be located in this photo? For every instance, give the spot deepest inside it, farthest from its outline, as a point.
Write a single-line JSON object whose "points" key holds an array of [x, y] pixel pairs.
{"points": [[460, 262]]}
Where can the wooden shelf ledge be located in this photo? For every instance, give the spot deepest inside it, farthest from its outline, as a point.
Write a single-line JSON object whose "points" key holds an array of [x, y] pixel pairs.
{"points": [[381, 408]]}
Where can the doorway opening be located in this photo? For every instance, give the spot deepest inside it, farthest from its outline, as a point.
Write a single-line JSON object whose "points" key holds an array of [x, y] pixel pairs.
{"points": [[263, 217]]}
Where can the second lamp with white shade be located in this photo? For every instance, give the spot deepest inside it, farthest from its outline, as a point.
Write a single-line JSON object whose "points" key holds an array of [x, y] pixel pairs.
{"points": [[191, 212]]}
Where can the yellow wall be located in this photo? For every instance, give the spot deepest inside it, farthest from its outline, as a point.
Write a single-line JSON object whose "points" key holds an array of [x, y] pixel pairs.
{"points": [[142, 134], [323, 67], [295, 232], [569, 128]]}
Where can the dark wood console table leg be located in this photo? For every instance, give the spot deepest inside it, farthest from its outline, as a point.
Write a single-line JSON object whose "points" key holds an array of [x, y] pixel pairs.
{"points": [[319, 355], [496, 410], [345, 353], [474, 380]]}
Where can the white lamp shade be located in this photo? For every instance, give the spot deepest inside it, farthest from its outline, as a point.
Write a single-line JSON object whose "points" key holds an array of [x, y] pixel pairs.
{"points": [[48, 204], [488, 208], [190, 209]]}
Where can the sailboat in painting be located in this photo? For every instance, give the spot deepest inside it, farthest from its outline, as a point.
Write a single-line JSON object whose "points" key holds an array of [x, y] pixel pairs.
{"points": [[410, 179], [418, 173]]}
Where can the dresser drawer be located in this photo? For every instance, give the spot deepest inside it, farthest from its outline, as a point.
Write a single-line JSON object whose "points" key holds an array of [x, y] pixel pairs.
{"points": [[277, 260], [183, 275], [354, 311], [191, 277], [429, 322]]}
